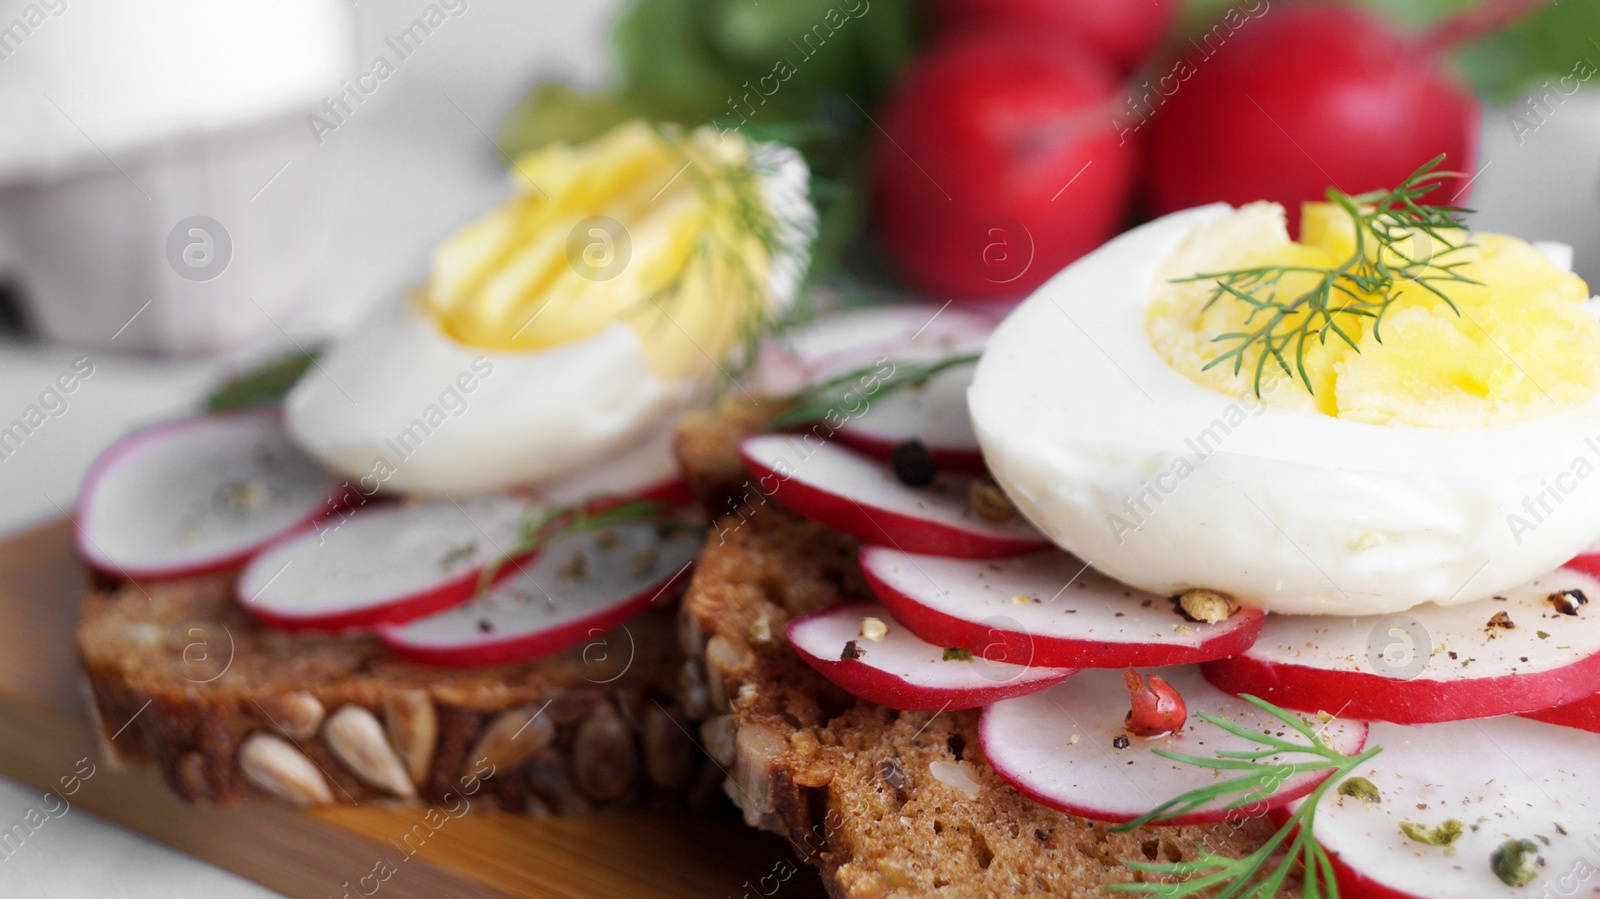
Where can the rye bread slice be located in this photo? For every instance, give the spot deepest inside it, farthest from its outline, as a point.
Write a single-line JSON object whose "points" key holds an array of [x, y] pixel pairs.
{"points": [[884, 803], [230, 710]]}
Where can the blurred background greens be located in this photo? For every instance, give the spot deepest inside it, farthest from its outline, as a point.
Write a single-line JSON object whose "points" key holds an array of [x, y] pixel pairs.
{"points": [[688, 61]]}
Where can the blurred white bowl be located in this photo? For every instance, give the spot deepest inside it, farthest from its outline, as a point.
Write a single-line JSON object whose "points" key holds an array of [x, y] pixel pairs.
{"points": [[158, 178]]}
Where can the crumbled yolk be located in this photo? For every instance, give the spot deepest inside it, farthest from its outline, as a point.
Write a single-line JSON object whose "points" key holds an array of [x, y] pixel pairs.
{"points": [[660, 231], [1524, 344]]}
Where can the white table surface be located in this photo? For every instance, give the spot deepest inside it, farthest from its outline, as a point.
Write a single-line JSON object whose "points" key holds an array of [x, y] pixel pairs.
{"points": [[410, 167]]}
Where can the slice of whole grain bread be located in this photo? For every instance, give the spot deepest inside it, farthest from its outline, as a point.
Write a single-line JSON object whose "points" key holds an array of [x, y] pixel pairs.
{"points": [[230, 710], [885, 803]]}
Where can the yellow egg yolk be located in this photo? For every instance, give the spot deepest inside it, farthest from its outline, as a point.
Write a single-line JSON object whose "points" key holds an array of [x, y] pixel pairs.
{"points": [[1520, 343], [666, 232]]}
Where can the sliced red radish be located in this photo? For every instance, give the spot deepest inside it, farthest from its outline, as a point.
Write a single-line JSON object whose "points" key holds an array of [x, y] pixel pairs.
{"points": [[382, 564], [862, 497], [646, 470], [862, 649], [580, 587], [1583, 714], [847, 339], [1587, 561], [934, 412], [789, 361], [1066, 748], [1505, 779], [1513, 653], [1045, 608], [196, 495]]}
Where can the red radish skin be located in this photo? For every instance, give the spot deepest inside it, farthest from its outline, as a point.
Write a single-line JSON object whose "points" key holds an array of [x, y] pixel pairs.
{"points": [[1341, 664], [383, 565], [1504, 777], [1060, 748], [548, 606], [156, 500], [431, 601], [862, 497], [950, 458], [1124, 33], [902, 671], [996, 165], [1582, 715], [1587, 562], [1082, 619], [1355, 884], [1304, 98]]}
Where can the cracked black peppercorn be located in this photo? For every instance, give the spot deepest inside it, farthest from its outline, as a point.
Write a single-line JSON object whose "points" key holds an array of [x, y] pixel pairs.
{"points": [[914, 464]]}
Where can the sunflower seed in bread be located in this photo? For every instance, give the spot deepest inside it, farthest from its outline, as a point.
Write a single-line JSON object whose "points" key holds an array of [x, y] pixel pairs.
{"points": [[413, 726], [511, 738], [273, 764], [358, 740]]}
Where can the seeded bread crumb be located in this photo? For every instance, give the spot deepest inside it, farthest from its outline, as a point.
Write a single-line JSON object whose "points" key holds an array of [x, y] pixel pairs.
{"points": [[707, 446], [885, 803]]}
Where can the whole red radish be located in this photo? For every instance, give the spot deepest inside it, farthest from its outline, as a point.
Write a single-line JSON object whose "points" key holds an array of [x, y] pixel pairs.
{"points": [[1301, 98], [998, 164], [1123, 31]]}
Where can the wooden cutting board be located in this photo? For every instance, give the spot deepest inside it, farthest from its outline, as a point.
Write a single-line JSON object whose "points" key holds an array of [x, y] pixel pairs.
{"points": [[325, 853]]}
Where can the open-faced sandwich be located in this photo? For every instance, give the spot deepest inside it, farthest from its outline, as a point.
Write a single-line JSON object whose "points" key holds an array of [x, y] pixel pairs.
{"points": [[1226, 564], [445, 565]]}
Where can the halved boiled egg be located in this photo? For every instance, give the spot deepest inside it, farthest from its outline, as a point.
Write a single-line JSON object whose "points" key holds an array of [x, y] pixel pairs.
{"points": [[573, 322], [1443, 453]]}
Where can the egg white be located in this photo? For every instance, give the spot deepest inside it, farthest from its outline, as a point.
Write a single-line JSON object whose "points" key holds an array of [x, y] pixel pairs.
{"points": [[392, 405], [530, 418], [1167, 485]]}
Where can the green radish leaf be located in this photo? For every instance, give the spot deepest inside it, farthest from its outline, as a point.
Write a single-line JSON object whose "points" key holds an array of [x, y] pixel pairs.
{"points": [[1548, 45], [261, 386]]}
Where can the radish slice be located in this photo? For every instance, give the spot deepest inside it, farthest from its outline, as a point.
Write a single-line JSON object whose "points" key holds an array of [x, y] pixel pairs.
{"points": [[862, 497], [852, 338], [187, 497], [1587, 561], [1583, 714], [647, 470], [1432, 663], [1047, 608], [900, 670], [934, 412], [1505, 778], [383, 564], [580, 587], [1059, 748]]}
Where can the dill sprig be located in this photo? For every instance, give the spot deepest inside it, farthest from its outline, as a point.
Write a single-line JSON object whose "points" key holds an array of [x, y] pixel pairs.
{"points": [[744, 242], [546, 525], [1252, 877], [1365, 285], [837, 395]]}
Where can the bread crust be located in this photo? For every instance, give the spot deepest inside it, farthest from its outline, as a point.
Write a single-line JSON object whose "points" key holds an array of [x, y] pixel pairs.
{"points": [[181, 679], [884, 803]]}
